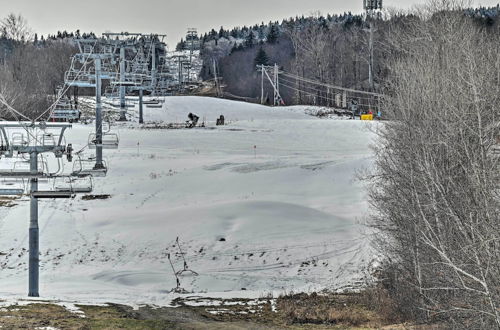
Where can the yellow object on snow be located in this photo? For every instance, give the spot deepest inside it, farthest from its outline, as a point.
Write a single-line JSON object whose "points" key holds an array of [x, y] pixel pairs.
{"points": [[367, 117]]}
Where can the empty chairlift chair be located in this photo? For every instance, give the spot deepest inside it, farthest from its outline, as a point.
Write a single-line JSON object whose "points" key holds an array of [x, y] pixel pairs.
{"points": [[22, 170], [87, 167], [19, 140], [109, 141], [11, 192], [74, 185]]}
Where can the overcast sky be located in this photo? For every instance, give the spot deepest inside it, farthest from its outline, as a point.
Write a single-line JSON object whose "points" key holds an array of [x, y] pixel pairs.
{"points": [[173, 17]]}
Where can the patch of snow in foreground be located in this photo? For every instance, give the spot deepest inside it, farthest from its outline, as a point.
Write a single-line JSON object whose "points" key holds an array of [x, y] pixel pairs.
{"points": [[266, 205]]}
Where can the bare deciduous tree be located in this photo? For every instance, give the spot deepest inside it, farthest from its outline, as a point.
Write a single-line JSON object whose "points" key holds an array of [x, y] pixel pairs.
{"points": [[15, 27], [436, 186]]}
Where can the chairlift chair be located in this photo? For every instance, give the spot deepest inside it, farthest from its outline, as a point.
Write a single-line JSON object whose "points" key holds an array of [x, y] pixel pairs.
{"points": [[86, 167], [46, 139], [49, 194], [109, 141], [75, 185], [19, 139], [11, 192]]}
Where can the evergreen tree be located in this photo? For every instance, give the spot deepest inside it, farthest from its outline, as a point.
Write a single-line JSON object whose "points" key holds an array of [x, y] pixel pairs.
{"points": [[250, 39], [261, 58], [273, 34], [222, 33], [181, 45]]}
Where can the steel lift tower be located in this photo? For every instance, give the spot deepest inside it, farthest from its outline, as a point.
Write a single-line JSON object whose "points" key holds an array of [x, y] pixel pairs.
{"points": [[373, 10], [92, 77], [191, 37], [34, 145], [116, 39]]}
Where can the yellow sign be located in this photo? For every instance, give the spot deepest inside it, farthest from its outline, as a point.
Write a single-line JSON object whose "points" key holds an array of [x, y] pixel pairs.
{"points": [[367, 117]]}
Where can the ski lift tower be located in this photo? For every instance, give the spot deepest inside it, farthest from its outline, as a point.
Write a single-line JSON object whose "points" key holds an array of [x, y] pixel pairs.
{"points": [[92, 76], [118, 42], [373, 10], [191, 36], [34, 146]]}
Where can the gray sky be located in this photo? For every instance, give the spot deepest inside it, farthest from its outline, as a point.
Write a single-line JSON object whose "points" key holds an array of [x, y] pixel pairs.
{"points": [[173, 17]]}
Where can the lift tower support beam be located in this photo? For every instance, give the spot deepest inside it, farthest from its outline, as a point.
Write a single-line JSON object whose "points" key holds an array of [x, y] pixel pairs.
{"points": [[34, 242]]}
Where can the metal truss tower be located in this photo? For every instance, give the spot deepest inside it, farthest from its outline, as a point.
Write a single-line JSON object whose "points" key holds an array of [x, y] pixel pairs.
{"points": [[373, 9]]}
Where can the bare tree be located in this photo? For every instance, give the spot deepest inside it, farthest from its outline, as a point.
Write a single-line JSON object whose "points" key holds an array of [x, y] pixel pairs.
{"points": [[435, 190], [15, 27]]}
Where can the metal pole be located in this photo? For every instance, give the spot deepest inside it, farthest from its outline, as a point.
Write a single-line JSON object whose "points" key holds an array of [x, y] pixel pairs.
{"points": [[33, 231], [262, 85], [153, 66], [98, 114], [141, 118], [370, 78], [276, 86], [180, 74], [278, 94], [216, 79], [123, 110]]}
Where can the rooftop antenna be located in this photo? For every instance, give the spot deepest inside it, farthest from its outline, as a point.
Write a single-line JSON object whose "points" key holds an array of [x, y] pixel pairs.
{"points": [[186, 268]]}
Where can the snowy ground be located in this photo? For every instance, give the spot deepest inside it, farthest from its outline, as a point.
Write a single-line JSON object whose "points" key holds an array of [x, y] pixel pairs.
{"points": [[266, 204]]}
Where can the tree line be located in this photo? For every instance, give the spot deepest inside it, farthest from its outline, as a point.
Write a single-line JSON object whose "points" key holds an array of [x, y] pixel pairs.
{"points": [[331, 49], [32, 68]]}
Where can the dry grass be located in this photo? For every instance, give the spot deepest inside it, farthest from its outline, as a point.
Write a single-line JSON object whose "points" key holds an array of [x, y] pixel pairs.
{"points": [[7, 201], [331, 309]]}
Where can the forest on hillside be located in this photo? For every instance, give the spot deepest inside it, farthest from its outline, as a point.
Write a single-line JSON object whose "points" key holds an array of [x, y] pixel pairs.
{"points": [[331, 49]]}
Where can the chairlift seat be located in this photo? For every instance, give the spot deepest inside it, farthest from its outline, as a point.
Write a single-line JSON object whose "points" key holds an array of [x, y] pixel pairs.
{"points": [[75, 190], [109, 141], [96, 173], [11, 192], [124, 83], [75, 185], [51, 194], [21, 174]]}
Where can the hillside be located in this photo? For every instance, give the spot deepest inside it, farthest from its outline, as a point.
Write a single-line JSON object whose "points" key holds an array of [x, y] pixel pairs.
{"points": [[278, 217]]}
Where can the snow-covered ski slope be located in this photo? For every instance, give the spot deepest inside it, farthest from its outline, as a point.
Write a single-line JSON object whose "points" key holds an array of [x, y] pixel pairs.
{"points": [[267, 203]]}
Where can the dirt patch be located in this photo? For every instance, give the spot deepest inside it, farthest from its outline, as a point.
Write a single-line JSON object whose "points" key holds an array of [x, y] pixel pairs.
{"points": [[297, 312], [95, 197], [7, 201]]}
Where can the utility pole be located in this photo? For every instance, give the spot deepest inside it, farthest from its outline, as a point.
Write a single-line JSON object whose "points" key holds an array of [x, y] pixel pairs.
{"points": [[262, 84], [217, 87], [278, 100], [277, 96]]}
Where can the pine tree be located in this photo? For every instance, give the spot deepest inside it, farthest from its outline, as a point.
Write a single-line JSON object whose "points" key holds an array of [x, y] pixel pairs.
{"points": [[261, 58], [181, 45], [249, 42], [272, 36], [222, 33]]}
